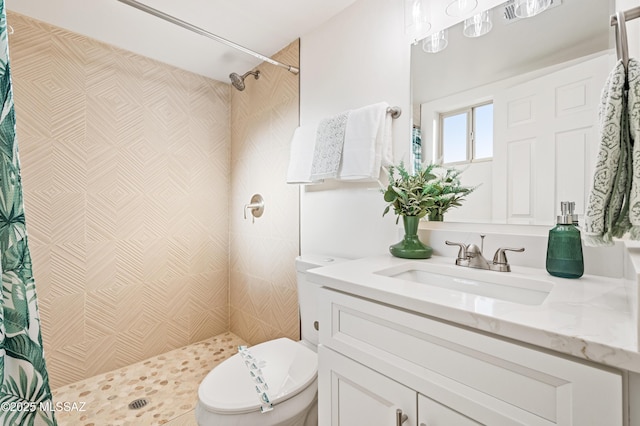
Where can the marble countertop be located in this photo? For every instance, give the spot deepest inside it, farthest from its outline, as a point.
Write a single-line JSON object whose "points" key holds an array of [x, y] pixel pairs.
{"points": [[590, 317]]}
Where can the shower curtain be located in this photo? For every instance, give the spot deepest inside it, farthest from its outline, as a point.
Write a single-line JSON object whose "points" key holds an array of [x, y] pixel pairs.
{"points": [[25, 396]]}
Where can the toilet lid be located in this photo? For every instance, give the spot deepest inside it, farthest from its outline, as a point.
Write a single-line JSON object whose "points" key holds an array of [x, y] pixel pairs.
{"points": [[288, 367]]}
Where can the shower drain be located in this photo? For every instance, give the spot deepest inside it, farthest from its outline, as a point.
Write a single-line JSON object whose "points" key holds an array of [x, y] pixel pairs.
{"points": [[138, 403]]}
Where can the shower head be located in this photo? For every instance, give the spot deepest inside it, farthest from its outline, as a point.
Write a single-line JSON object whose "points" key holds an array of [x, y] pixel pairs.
{"points": [[237, 81]]}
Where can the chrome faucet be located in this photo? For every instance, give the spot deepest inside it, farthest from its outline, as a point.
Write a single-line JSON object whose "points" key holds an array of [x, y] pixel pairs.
{"points": [[471, 256]]}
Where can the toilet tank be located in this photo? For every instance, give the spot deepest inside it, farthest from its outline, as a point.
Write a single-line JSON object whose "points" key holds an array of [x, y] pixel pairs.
{"points": [[307, 294]]}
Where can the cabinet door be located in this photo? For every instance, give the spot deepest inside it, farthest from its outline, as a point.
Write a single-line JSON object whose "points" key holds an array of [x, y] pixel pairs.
{"points": [[350, 394], [431, 413]]}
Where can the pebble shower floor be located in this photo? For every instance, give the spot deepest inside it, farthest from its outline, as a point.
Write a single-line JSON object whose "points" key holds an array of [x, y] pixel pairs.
{"points": [[168, 383]]}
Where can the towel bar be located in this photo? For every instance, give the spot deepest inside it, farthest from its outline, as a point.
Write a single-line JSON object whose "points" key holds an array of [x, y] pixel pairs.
{"points": [[395, 111]]}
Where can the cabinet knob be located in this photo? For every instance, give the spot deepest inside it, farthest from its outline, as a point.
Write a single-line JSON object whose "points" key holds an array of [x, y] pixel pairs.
{"points": [[400, 417], [316, 325]]}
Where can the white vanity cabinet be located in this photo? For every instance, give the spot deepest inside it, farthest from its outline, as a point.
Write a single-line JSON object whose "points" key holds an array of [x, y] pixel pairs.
{"points": [[375, 358]]}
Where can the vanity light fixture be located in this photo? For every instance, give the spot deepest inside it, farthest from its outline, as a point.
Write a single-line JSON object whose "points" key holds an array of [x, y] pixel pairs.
{"points": [[478, 25], [529, 8], [436, 42], [417, 18], [461, 7]]}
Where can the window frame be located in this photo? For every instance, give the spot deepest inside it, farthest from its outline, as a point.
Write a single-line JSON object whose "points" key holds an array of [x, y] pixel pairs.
{"points": [[471, 132]]}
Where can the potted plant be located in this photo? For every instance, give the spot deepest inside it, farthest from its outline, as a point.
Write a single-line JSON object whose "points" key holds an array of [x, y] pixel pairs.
{"points": [[446, 190], [406, 194], [428, 192]]}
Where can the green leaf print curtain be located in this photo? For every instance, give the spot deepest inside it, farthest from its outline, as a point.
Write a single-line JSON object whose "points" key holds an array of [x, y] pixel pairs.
{"points": [[25, 397]]}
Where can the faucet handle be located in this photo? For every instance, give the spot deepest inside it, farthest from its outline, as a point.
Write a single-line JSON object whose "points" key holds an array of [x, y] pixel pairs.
{"points": [[500, 258], [462, 253]]}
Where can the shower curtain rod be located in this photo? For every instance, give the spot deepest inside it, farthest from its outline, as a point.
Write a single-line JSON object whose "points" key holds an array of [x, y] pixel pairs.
{"points": [[628, 15], [155, 12]]}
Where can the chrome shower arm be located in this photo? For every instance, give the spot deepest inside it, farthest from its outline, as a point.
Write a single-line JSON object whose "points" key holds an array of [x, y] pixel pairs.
{"points": [[155, 12]]}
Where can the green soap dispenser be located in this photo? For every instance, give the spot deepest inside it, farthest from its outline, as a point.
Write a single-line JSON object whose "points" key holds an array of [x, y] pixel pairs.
{"points": [[564, 249]]}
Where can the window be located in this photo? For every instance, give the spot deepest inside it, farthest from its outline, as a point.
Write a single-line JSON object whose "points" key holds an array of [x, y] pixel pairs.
{"points": [[466, 135]]}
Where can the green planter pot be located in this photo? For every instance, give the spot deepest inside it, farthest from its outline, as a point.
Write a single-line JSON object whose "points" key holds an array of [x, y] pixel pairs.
{"points": [[411, 247], [435, 217]]}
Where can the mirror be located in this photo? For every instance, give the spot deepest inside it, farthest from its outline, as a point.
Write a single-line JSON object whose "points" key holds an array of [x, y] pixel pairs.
{"points": [[541, 73]]}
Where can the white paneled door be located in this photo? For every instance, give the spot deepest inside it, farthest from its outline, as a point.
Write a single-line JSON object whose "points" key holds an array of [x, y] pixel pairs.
{"points": [[546, 139]]}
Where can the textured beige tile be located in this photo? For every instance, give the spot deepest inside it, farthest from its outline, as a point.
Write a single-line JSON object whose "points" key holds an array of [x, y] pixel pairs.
{"points": [[285, 307], [282, 271], [155, 301], [177, 301], [207, 255], [155, 259], [68, 125], [255, 329], [178, 332], [129, 261], [68, 217], [261, 296], [68, 268], [113, 310], [208, 291], [239, 292], [207, 323], [132, 217], [102, 176], [33, 100], [62, 320], [101, 265], [77, 362]]}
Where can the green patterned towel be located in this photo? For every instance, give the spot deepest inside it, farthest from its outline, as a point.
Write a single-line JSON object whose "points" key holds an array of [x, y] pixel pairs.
{"points": [[607, 213], [634, 126]]}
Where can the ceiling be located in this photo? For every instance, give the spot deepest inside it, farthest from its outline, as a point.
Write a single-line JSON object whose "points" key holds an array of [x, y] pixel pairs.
{"points": [[262, 26]]}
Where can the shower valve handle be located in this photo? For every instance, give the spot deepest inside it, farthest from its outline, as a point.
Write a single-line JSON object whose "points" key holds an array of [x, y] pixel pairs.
{"points": [[256, 205]]}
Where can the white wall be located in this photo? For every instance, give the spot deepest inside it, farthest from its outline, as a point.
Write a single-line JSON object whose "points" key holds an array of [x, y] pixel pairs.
{"points": [[357, 58]]}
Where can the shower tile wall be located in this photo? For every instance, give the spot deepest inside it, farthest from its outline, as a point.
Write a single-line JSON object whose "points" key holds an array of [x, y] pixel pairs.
{"points": [[125, 165], [263, 293]]}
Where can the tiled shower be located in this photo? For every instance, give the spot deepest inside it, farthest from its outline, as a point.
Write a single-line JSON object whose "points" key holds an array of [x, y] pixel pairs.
{"points": [[135, 176]]}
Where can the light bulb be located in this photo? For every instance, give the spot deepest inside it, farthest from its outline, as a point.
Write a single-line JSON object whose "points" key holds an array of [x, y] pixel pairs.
{"points": [[530, 8]]}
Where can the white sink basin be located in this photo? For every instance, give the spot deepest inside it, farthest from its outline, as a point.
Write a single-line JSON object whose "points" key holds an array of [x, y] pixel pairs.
{"points": [[496, 285]]}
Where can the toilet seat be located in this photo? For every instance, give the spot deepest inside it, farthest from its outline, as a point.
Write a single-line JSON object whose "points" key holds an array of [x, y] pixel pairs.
{"points": [[287, 367]]}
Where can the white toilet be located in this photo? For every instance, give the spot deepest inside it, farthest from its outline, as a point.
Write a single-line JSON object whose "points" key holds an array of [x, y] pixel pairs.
{"points": [[231, 392]]}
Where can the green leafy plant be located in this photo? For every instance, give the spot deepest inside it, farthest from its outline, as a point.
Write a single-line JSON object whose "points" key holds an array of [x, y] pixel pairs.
{"points": [[446, 189], [430, 191], [407, 193]]}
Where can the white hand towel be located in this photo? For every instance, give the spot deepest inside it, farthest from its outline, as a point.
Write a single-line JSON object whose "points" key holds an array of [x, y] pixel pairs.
{"points": [[387, 141], [328, 150], [303, 143], [367, 143]]}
